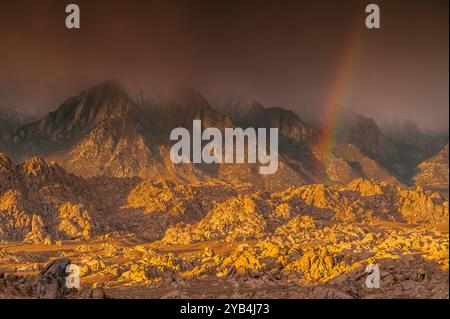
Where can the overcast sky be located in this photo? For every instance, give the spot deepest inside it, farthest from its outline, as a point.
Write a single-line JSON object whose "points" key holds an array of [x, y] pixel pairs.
{"points": [[283, 53]]}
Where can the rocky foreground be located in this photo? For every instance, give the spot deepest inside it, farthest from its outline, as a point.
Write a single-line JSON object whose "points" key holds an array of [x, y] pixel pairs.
{"points": [[300, 260], [164, 239]]}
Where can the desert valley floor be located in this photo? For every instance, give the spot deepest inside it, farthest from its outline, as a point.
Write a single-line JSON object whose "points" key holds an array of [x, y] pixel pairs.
{"points": [[311, 241], [240, 270]]}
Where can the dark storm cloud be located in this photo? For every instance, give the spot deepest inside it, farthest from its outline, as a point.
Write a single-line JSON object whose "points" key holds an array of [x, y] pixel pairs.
{"points": [[277, 52]]}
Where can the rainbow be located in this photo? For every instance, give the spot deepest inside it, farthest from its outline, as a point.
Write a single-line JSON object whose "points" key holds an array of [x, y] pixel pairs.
{"points": [[338, 97]]}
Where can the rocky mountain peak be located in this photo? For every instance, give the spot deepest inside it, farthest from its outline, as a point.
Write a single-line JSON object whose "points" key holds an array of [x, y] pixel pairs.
{"points": [[363, 132], [179, 106], [288, 123], [104, 101], [75, 118]]}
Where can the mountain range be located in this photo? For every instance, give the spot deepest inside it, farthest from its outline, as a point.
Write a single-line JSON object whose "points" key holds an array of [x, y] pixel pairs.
{"points": [[104, 131]]}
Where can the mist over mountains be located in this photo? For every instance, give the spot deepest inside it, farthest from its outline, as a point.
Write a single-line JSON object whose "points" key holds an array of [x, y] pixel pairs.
{"points": [[106, 131]]}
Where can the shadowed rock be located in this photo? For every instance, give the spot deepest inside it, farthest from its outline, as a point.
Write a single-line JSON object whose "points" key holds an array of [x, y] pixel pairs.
{"points": [[51, 281]]}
